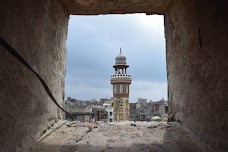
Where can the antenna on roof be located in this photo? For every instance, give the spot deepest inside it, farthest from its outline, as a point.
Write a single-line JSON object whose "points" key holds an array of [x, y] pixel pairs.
{"points": [[120, 51]]}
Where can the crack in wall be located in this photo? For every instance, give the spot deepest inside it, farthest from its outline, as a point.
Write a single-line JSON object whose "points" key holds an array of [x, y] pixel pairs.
{"points": [[90, 129]]}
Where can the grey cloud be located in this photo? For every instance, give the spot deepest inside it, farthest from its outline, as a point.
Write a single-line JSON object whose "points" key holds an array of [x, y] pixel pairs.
{"points": [[93, 43]]}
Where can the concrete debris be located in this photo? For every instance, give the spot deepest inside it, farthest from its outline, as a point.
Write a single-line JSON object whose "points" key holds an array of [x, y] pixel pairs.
{"points": [[119, 136], [82, 124], [129, 123]]}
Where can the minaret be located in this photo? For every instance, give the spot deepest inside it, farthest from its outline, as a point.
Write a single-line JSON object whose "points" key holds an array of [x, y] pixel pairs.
{"points": [[121, 82]]}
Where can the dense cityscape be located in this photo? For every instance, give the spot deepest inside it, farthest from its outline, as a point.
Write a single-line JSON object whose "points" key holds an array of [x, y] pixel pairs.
{"points": [[103, 110]]}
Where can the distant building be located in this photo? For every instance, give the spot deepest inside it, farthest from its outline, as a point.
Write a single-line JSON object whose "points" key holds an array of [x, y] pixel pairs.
{"points": [[160, 107], [144, 111], [133, 111], [82, 114], [141, 102], [100, 114], [110, 110], [102, 100], [121, 82]]}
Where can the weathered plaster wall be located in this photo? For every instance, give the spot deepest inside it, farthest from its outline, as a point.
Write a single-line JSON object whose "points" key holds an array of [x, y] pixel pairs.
{"points": [[38, 29], [196, 35], [96, 7]]}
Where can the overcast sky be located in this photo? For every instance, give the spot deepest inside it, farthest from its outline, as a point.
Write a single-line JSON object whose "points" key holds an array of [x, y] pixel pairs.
{"points": [[94, 42]]}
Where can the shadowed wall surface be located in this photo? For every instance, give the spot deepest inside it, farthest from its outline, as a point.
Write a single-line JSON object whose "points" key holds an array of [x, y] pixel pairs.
{"points": [[196, 37], [38, 30]]}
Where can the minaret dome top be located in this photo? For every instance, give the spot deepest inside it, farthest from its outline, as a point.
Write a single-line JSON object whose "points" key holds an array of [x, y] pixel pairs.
{"points": [[120, 59]]}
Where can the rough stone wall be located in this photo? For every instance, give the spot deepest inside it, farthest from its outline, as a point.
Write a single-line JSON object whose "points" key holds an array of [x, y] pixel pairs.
{"points": [[196, 36], [38, 30], [96, 7]]}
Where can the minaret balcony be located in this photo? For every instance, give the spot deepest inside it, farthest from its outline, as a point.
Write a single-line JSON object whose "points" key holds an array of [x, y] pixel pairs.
{"points": [[121, 78], [121, 75]]}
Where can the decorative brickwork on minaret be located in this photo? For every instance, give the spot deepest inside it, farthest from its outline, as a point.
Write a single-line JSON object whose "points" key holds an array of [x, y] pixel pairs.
{"points": [[121, 88]]}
